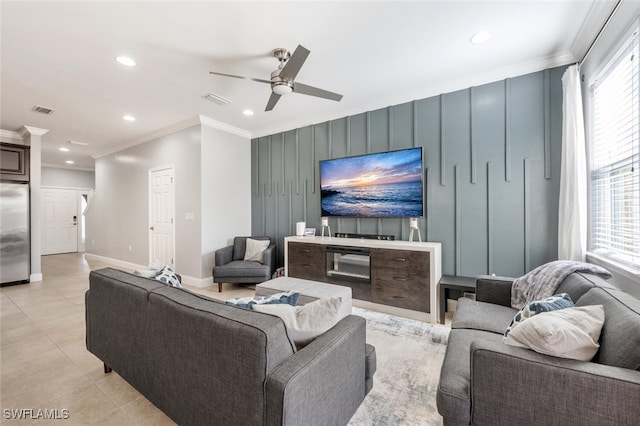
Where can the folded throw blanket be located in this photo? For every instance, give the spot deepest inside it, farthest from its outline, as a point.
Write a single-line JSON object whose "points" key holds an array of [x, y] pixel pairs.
{"points": [[543, 281]]}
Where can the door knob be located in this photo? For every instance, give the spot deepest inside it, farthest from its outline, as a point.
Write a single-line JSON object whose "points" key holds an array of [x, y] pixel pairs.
{"points": [[151, 227]]}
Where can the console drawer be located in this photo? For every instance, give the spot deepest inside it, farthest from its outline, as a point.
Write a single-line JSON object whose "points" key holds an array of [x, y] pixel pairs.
{"points": [[306, 261], [400, 259]]}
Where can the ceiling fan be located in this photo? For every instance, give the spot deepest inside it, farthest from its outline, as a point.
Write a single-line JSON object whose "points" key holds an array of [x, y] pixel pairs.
{"points": [[282, 80]]}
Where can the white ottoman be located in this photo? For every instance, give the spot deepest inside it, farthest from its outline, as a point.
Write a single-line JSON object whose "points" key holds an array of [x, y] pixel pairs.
{"points": [[309, 291]]}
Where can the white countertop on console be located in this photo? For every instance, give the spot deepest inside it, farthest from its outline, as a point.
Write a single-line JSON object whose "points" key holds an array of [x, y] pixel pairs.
{"points": [[363, 242]]}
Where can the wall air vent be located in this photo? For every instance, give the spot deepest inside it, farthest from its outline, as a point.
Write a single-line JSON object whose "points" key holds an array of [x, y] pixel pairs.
{"points": [[217, 98], [42, 109]]}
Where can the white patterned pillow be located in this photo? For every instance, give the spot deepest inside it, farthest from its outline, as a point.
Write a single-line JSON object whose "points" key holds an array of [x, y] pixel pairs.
{"points": [[168, 277], [288, 298]]}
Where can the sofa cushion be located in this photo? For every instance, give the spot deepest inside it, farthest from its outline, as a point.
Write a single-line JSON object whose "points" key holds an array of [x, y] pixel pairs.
{"points": [[620, 337], [482, 316], [242, 268], [453, 397], [578, 284], [566, 333]]}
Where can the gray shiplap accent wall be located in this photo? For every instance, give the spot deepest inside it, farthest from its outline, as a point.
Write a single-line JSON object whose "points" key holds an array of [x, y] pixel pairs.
{"points": [[491, 172]]}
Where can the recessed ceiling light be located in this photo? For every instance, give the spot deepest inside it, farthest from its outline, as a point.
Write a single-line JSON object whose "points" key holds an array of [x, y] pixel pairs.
{"points": [[247, 112], [69, 162], [129, 118], [64, 149], [126, 61], [480, 37]]}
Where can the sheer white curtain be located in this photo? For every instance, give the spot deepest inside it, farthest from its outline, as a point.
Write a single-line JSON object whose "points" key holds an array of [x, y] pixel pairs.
{"points": [[572, 214]]}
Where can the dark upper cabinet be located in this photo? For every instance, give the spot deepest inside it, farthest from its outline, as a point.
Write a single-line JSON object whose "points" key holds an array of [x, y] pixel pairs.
{"points": [[14, 162]]}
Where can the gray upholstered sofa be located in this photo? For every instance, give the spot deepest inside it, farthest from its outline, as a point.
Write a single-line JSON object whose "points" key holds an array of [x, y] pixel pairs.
{"points": [[486, 382], [203, 362]]}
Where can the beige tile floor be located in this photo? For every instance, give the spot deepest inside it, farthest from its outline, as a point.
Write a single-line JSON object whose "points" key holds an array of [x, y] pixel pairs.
{"points": [[44, 364]]}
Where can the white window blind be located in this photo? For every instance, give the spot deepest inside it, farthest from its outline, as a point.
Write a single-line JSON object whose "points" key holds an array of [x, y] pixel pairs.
{"points": [[615, 165]]}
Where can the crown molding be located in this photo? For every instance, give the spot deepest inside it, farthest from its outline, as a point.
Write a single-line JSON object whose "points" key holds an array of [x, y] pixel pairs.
{"points": [[72, 168], [10, 135], [210, 122], [29, 130], [156, 135]]}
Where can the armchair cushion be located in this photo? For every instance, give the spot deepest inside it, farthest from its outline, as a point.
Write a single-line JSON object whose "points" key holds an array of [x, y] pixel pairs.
{"points": [[255, 249], [240, 246]]}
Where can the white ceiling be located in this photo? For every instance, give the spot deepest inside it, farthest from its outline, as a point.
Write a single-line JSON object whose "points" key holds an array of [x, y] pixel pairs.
{"points": [[376, 53]]}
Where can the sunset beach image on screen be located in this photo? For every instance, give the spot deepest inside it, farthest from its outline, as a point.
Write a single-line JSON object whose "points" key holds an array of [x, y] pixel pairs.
{"points": [[387, 184]]}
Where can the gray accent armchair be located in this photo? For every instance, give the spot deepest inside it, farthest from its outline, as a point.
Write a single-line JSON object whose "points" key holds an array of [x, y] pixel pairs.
{"points": [[230, 266]]}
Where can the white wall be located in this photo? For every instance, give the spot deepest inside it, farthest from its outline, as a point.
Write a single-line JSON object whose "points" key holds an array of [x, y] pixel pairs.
{"points": [[226, 191], [212, 182], [67, 178], [119, 216]]}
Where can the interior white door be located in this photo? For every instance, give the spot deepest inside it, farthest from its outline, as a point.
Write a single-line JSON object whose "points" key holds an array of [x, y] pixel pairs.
{"points": [[60, 221], [161, 227]]}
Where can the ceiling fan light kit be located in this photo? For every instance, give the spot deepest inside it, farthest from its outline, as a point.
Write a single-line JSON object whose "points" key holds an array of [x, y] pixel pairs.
{"points": [[283, 79]]}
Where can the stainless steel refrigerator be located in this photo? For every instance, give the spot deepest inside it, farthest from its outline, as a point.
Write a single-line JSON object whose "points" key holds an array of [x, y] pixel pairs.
{"points": [[15, 253]]}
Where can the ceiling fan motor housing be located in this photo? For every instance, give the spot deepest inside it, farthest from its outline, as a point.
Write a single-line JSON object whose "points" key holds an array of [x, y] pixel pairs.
{"points": [[280, 85]]}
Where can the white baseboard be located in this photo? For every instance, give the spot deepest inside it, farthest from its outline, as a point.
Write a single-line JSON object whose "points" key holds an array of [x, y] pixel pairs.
{"points": [[35, 278], [130, 267], [197, 282]]}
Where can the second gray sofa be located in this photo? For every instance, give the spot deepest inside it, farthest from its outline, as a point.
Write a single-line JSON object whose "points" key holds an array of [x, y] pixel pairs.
{"points": [[206, 363], [486, 382]]}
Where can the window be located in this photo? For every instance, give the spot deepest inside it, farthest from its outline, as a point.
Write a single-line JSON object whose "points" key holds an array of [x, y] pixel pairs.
{"points": [[614, 158]]}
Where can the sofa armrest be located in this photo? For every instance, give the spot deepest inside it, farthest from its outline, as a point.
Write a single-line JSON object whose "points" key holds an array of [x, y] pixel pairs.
{"points": [[269, 258], [511, 385], [223, 255], [323, 383], [492, 289]]}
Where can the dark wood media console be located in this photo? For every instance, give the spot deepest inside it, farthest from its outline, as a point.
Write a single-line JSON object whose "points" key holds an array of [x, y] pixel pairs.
{"points": [[400, 273]]}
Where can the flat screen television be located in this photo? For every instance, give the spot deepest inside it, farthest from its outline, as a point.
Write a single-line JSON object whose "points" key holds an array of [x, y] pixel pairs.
{"points": [[385, 184]]}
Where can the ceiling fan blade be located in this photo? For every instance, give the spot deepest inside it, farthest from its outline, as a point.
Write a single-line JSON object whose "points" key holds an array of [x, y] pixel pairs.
{"points": [[295, 62], [259, 80], [227, 75], [273, 100], [314, 91]]}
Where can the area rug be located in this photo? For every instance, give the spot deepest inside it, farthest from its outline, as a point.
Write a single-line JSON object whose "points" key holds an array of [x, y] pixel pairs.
{"points": [[409, 356]]}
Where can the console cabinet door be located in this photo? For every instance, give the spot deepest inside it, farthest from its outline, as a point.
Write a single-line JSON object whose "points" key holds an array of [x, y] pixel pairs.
{"points": [[306, 261], [400, 278]]}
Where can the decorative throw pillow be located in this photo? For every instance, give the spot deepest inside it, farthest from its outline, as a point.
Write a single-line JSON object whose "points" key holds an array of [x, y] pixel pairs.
{"points": [[567, 333], [254, 249], [168, 277], [305, 323], [553, 303], [289, 298]]}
